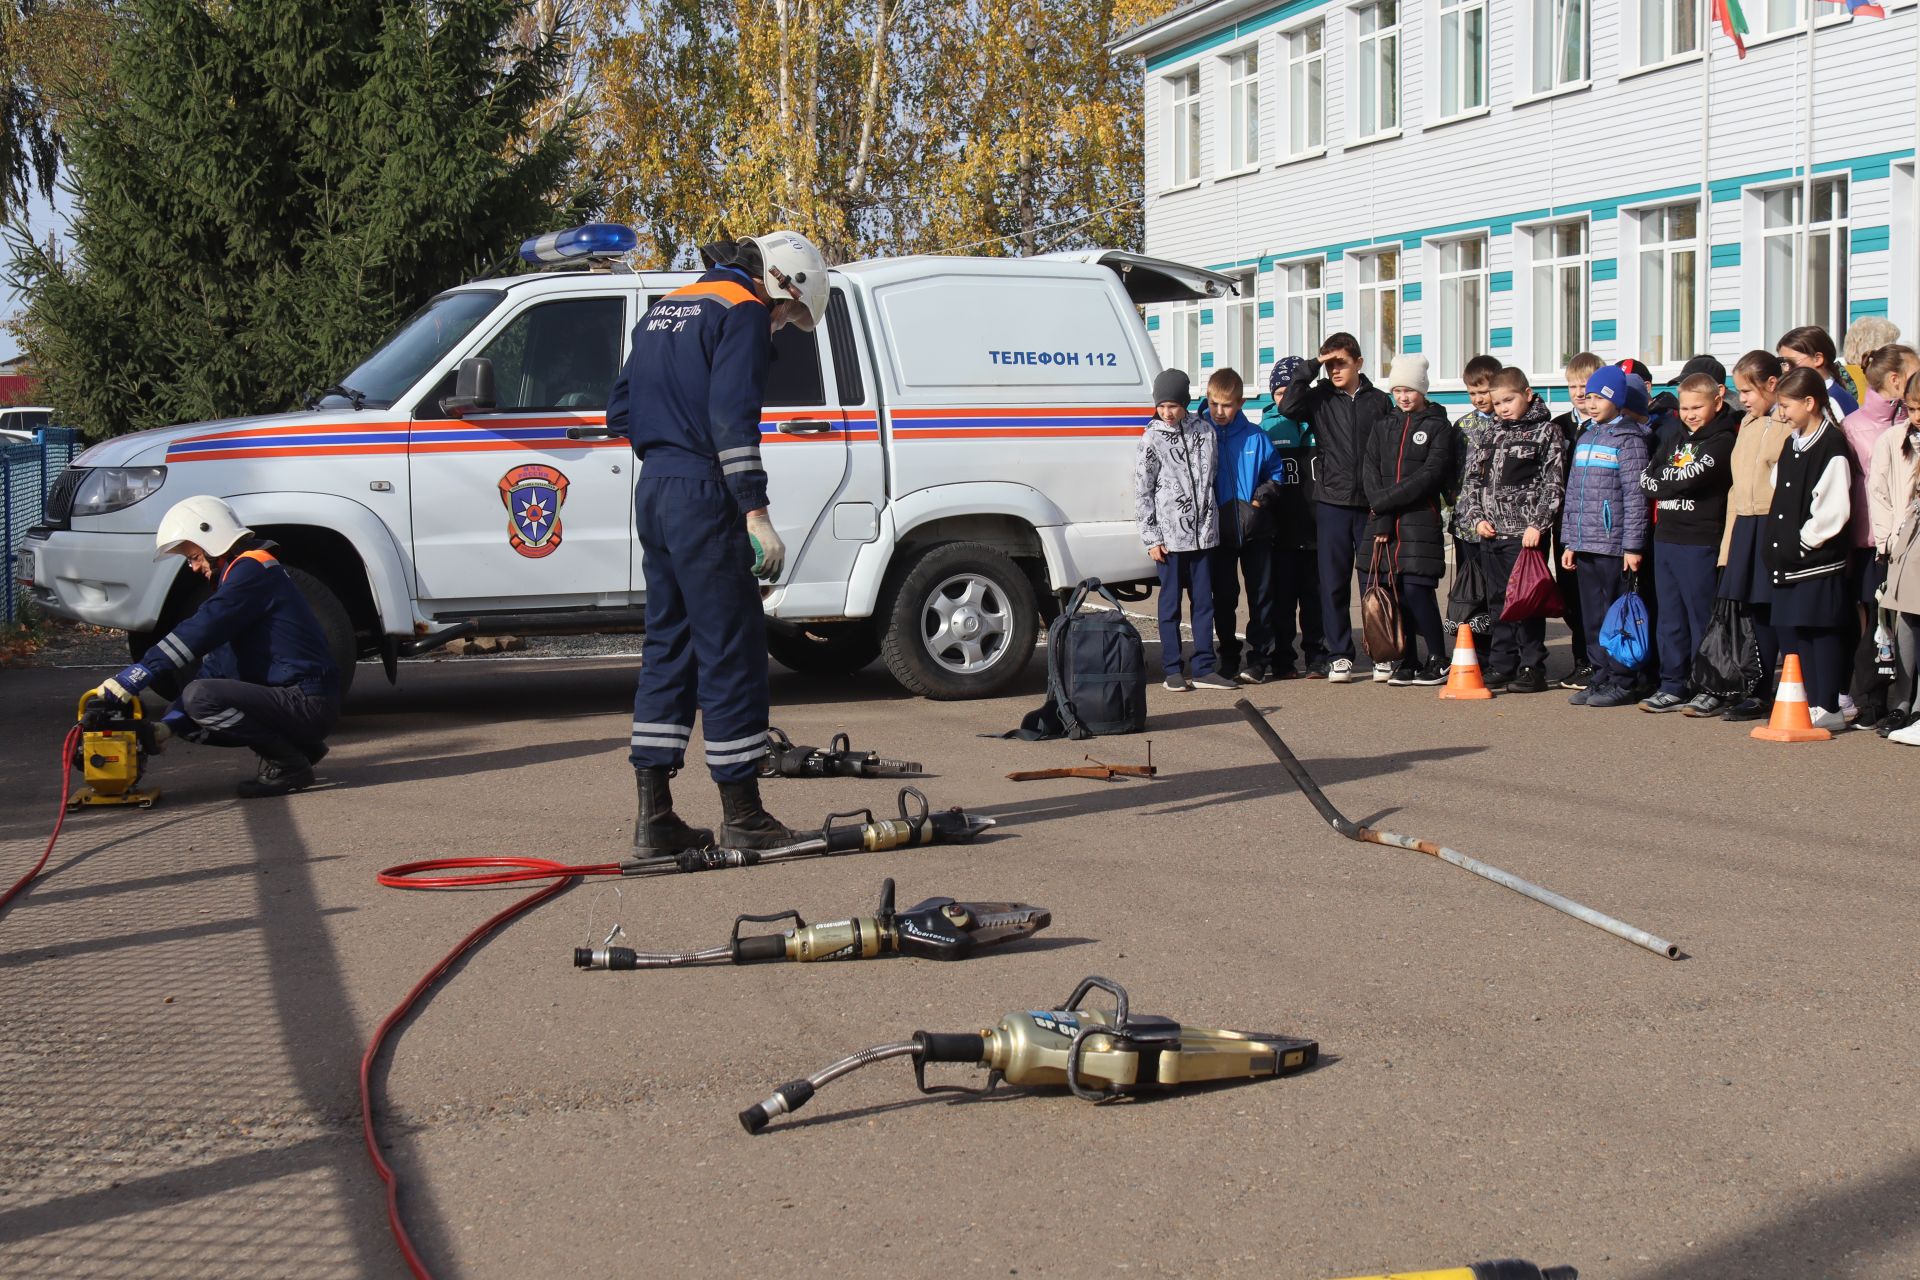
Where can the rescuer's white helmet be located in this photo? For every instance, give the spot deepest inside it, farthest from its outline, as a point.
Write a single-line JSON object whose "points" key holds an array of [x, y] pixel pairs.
{"points": [[205, 521], [792, 267]]}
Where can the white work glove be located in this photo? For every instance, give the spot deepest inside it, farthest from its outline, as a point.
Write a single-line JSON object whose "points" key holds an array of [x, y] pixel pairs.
{"points": [[769, 553], [114, 691]]}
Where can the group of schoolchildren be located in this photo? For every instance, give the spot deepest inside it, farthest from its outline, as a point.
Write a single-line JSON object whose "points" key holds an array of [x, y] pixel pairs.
{"points": [[1796, 512]]}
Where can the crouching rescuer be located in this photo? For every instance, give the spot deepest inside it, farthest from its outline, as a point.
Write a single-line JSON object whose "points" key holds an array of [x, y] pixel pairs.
{"points": [[689, 399], [284, 695]]}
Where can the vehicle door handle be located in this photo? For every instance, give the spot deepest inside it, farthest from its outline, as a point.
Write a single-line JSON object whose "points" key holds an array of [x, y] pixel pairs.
{"points": [[588, 433], [805, 427]]}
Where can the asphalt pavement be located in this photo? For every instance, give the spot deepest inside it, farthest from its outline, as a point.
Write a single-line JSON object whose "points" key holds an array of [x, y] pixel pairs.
{"points": [[185, 997]]}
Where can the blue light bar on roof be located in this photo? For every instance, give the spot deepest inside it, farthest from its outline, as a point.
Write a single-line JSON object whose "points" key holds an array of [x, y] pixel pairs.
{"points": [[595, 240]]}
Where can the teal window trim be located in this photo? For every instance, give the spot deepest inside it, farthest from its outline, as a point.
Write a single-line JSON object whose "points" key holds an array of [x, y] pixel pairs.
{"points": [[1265, 311], [1719, 191], [1500, 282], [1410, 343], [1410, 291], [1866, 307], [1605, 331], [1724, 255], [1266, 356], [1724, 321], [1206, 315], [1206, 359], [1500, 337], [1153, 323], [1336, 302], [1605, 269], [1871, 239], [1236, 31]]}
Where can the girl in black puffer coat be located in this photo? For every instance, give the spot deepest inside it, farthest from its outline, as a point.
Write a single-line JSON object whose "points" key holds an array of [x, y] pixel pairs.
{"points": [[1405, 471]]}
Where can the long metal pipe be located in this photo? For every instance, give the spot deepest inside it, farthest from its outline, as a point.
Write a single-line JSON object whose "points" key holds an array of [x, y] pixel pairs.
{"points": [[1353, 831]]}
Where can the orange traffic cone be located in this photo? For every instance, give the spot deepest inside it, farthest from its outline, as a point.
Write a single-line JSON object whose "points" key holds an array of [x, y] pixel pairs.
{"points": [[1791, 721], [1463, 677]]}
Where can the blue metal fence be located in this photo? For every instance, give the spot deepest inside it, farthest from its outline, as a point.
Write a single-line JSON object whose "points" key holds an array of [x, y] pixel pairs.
{"points": [[27, 471]]}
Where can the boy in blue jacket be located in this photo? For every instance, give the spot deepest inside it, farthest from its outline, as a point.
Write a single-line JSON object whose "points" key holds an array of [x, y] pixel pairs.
{"points": [[1604, 528], [1247, 488]]}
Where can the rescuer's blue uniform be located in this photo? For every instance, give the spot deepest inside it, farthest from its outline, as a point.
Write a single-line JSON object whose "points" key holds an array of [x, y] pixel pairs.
{"points": [[689, 399], [287, 690]]}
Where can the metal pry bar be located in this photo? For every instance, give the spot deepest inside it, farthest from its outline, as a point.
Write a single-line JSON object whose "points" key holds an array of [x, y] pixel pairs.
{"points": [[1353, 831]]}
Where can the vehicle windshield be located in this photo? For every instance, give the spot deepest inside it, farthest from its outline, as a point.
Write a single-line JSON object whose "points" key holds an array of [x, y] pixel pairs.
{"points": [[402, 360]]}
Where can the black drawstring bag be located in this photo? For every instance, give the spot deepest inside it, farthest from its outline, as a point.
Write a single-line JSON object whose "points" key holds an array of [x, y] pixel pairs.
{"points": [[1728, 664], [1467, 597]]}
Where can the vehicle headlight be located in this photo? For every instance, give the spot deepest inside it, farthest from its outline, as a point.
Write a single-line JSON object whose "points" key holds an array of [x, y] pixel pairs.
{"points": [[115, 488]]}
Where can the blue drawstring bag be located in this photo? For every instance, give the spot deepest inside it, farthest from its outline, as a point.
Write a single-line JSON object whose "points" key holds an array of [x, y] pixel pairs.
{"points": [[1624, 634]]}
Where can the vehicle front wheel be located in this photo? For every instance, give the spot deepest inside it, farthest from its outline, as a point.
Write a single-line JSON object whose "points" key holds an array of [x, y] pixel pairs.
{"points": [[960, 623]]}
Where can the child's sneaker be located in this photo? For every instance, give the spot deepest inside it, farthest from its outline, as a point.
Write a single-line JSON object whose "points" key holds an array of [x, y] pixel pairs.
{"points": [[1432, 672], [1402, 675], [1579, 698], [1848, 709], [1253, 673], [1528, 680], [1661, 701], [1177, 683], [1496, 680], [1831, 721], [1610, 695], [1581, 677], [1317, 668], [1382, 674], [1702, 706], [1215, 680], [1341, 672]]}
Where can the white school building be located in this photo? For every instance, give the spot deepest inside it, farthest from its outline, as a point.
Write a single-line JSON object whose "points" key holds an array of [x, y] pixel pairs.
{"points": [[1528, 178]]}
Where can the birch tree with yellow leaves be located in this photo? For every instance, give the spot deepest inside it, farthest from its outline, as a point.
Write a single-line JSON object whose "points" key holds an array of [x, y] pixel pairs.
{"points": [[875, 126]]}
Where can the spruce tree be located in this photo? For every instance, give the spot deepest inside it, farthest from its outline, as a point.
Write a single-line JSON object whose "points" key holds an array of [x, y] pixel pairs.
{"points": [[270, 185]]}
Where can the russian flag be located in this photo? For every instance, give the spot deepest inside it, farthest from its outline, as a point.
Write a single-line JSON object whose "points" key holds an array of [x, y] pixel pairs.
{"points": [[1861, 8]]}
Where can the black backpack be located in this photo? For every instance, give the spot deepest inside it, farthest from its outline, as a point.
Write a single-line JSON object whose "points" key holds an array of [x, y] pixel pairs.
{"points": [[1096, 674]]}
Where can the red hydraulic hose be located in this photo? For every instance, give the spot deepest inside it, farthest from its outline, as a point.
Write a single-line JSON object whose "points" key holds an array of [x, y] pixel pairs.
{"points": [[66, 786], [408, 876]]}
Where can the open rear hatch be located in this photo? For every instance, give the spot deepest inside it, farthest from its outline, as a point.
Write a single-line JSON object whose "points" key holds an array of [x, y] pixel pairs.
{"points": [[1154, 279]]}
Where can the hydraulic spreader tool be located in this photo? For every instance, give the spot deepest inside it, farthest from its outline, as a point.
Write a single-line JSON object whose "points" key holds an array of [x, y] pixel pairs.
{"points": [[115, 740], [839, 760], [936, 929], [1095, 1054]]}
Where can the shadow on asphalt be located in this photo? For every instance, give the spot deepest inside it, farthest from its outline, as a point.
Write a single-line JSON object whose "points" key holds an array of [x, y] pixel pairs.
{"points": [[1186, 792], [1855, 1223]]}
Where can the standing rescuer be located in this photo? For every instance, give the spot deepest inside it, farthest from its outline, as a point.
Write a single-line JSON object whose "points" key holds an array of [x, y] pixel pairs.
{"points": [[689, 399], [286, 697]]}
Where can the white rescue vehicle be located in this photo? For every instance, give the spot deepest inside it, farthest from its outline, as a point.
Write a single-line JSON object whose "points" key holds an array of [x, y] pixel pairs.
{"points": [[949, 449]]}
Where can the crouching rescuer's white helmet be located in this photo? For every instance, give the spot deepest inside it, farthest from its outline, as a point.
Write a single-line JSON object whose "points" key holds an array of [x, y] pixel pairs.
{"points": [[793, 268], [206, 522]]}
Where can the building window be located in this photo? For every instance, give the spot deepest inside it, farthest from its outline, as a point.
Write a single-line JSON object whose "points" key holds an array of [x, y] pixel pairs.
{"points": [[1771, 17], [1559, 43], [1669, 281], [1180, 340], [1463, 56], [1243, 109], [1462, 321], [1668, 28], [1804, 260], [1379, 289], [1306, 89], [1237, 317], [1378, 73], [1183, 127], [1559, 295], [1306, 312]]}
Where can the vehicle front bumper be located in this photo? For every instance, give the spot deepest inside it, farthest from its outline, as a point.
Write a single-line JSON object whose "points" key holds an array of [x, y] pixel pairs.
{"points": [[105, 579]]}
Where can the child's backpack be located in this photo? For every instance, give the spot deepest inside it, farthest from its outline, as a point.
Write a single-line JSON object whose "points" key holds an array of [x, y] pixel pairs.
{"points": [[1096, 673], [1624, 633]]}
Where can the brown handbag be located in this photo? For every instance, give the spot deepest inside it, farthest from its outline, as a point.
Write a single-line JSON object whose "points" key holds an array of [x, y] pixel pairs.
{"points": [[1380, 616]]}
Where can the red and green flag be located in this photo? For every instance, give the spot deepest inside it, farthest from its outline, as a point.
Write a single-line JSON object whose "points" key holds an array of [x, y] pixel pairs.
{"points": [[1733, 22]]}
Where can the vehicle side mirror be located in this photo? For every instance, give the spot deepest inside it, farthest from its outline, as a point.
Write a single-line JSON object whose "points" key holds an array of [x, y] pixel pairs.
{"points": [[472, 389]]}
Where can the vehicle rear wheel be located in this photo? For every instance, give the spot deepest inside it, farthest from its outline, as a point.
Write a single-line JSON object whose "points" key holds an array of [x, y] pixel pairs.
{"points": [[960, 623], [823, 648]]}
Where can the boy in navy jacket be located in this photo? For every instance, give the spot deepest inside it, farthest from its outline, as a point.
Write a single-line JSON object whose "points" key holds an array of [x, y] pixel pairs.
{"points": [[1604, 525]]}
